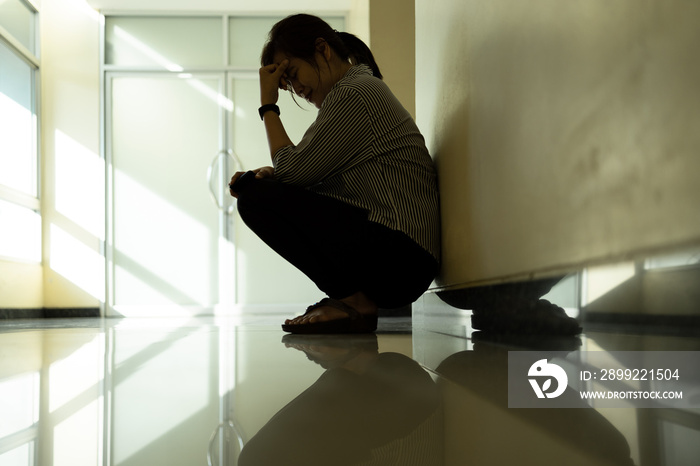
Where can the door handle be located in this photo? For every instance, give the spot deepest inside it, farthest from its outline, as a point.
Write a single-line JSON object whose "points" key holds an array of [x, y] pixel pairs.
{"points": [[219, 173], [225, 445]]}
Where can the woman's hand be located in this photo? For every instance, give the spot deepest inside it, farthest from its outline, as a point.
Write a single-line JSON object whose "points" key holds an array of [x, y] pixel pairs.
{"points": [[271, 82], [262, 172]]}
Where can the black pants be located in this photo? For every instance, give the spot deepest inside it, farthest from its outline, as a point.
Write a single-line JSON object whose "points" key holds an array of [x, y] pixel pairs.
{"points": [[334, 244]]}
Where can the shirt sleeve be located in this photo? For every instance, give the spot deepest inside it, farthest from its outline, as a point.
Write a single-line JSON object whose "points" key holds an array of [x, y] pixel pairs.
{"points": [[339, 139]]}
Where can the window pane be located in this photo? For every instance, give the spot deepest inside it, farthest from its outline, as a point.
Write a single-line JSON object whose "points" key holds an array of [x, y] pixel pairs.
{"points": [[246, 39], [19, 20], [156, 214], [17, 124], [166, 42], [248, 35], [20, 456], [20, 232]]}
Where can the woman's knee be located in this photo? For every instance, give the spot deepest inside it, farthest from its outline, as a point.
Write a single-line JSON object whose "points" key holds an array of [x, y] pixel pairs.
{"points": [[262, 196], [248, 194]]}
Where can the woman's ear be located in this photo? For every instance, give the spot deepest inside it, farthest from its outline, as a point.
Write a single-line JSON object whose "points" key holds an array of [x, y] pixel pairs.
{"points": [[323, 48]]}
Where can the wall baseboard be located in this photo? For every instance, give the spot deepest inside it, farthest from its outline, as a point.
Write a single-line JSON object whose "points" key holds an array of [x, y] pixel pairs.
{"points": [[49, 313]]}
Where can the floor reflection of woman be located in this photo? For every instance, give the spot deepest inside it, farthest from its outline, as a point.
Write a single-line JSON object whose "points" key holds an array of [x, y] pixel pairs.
{"points": [[367, 408]]}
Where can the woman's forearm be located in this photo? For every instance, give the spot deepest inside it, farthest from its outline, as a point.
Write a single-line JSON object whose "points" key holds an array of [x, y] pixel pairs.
{"points": [[270, 83], [276, 134]]}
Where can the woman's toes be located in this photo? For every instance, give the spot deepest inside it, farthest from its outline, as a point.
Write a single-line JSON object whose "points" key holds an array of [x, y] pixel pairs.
{"points": [[322, 314]]}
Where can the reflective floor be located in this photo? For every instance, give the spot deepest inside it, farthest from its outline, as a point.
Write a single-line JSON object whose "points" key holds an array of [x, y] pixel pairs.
{"points": [[427, 391]]}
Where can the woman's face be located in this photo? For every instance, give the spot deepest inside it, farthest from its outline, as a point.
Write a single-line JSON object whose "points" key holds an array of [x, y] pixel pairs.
{"points": [[308, 82]]}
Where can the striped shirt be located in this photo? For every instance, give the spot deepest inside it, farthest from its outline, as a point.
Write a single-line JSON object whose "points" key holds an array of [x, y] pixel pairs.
{"points": [[365, 150]]}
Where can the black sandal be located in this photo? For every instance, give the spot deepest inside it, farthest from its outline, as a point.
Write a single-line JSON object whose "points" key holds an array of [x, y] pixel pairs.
{"points": [[353, 323]]}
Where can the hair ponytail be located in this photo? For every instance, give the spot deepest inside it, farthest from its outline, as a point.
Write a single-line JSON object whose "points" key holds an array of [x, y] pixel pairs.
{"points": [[296, 36], [359, 53]]}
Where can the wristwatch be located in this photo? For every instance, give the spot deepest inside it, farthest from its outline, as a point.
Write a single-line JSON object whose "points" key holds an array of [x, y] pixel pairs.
{"points": [[266, 108]]}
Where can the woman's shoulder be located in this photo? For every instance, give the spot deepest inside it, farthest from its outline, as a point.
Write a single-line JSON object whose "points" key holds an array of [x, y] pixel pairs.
{"points": [[360, 76], [359, 83]]}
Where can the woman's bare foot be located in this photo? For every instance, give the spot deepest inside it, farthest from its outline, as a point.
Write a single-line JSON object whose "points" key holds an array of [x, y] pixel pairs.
{"points": [[358, 301]]}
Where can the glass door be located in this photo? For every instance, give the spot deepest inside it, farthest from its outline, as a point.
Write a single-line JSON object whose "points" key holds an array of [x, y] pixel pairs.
{"points": [[169, 245]]}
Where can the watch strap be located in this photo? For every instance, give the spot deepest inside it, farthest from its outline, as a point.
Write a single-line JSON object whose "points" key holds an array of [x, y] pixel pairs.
{"points": [[268, 107]]}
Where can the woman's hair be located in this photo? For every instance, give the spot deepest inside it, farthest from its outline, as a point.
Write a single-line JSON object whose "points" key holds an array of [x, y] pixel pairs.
{"points": [[296, 36]]}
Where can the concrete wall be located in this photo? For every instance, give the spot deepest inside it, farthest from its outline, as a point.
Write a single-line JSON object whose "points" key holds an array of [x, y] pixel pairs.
{"points": [[565, 133], [392, 40], [21, 285], [72, 171]]}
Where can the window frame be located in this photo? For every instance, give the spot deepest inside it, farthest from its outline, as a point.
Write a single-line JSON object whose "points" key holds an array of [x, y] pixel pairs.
{"points": [[31, 58]]}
